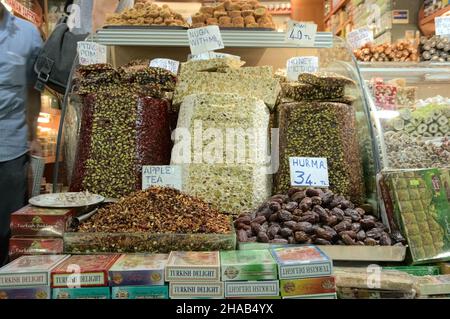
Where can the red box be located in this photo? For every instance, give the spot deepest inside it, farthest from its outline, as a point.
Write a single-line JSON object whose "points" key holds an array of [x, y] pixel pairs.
{"points": [[92, 270], [34, 246], [40, 222]]}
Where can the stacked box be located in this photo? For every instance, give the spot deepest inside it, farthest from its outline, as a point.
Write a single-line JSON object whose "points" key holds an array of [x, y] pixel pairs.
{"points": [[81, 293], [249, 274], [194, 275], [28, 277], [304, 272], [139, 276], [433, 285]]}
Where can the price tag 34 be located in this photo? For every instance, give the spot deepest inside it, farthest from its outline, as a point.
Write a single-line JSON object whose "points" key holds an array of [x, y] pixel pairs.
{"points": [[301, 64], [301, 34], [309, 171], [205, 39]]}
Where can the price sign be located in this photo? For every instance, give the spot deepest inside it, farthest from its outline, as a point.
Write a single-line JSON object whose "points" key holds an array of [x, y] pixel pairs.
{"points": [[205, 39], [359, 37], [169, 176], [212, 55], [91, 53], [301, 64], [442, 25], [301, 34], [168, 64], [309, 171]]}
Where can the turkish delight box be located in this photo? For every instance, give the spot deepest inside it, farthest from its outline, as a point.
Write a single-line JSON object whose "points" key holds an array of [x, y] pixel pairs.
{"points": [[433, 285], [38, 292], [140, 292], [268, 288], [138, 270], [29, 271], [240, 265], [81, 293], [196, 290], [83, 271], [34, 246], [317, 296], [42, 222], [417, 270], [193, 266], [307, 286], [301, 262]]}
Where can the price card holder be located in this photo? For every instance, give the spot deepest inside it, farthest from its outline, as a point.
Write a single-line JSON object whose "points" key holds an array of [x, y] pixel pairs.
{"points": [[309, 171], [167, 64], [301, 34], [91, 53], [205, 39], [166, 175], [442, 25], [359, 37], [301, 64]]}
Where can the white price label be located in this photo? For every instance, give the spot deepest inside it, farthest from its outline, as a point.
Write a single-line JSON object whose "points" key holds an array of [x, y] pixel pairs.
{"points": [[212, 55], [359, 37], [205, 39], [91, 53], [301, 34], [309, 171], [301, 64], [169, 176], [168, 64], [442, 25]]}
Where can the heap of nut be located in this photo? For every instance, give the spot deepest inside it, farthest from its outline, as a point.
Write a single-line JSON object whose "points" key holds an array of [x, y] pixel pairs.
{"points": [[234, 14], [313, 216], [146, 13], [435, 48], [402, 51]]}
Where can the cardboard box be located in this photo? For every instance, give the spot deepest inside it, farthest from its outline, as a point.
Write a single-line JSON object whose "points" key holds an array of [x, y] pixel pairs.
{"points": [[433, 285], [196, 290], [248, 265], [301, 262], [417, 270], [42, 292], [92, 270], [81, 293], [29, 271], [140, 292], [138, 270], [40, 222], [34, 246], [318, 296], [192, 266], [235, 289], [307, 286]]}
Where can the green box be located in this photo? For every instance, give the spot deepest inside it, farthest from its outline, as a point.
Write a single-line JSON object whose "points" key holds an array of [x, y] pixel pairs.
{"points": [[81, 293], [248, 265], [140, 292], [417, 270]]}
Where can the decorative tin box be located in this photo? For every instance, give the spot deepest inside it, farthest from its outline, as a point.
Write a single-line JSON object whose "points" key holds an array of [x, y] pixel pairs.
{"points": [[81, 293], [193, 266], [196, 290], [38, 292], [249, 265], [34, 246], [307, 286], [151, 292], [269, 288]]}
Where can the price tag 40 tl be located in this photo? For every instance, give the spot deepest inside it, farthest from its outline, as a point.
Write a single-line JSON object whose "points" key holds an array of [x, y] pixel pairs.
{"points": [[309, 171], [301, 34]]}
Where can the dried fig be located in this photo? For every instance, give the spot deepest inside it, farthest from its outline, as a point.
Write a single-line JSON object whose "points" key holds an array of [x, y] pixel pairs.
{"points": [[300, 237]]}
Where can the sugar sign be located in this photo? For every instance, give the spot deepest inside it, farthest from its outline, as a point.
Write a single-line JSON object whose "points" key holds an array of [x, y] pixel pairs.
{"points": [[360, 37], [168, 176], [91, 53], [301, 34], [205, 39], [309, 171], [301, 64], [167, 64]]}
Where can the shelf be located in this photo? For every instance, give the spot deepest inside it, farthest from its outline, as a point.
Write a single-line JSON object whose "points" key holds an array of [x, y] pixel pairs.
{"points": [[281, 12], [334, 10], [178, 38], [24, 12], [431, 17]]}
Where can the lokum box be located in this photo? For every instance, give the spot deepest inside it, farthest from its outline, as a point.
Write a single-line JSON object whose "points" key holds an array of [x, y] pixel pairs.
{"points": [[34, 246], [317, 296], [138, 270], [140, 292], [433, 285], [29, 271], [417, 270], [301, 262], [83, 271], [196, 290], [269, 288], [240, 265], [42, 292], [193, 266], [81, 293], [42, 222], [307, 286]]}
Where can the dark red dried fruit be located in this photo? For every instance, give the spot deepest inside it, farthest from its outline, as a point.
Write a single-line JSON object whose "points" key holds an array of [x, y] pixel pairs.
{"points": [[291, 206], [311, 192], [242, 235], [259, 220], [290, 224], [370, 242], [300, 237], [361, 235], [286, 232], [304, 227], [350, 233], [342, 226], [322, 233], [385, 240], [356, 227], [306, 204], [347, 239], [279, 241], [284, 215], [321, 241], [256, 228], [298, 197], [262, 237], [316, 200], [273, 231], [275, 206]]}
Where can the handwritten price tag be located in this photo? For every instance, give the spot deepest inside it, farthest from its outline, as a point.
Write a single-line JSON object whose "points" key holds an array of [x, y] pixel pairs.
{"points": [[168, 64], [169, 176], [359, 37], [442, 25], [212, 55], [309, 171], [301, 34], [205, 39], [91, 53], [301, 64]]}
